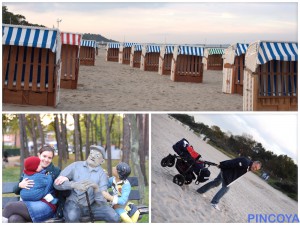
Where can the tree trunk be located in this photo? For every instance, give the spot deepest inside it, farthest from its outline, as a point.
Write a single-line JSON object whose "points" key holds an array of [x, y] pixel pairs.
{"points": [[66, 153], [80, 139], [87, 132], [96, 129], [33, 133], [40, 129], [58, 140], [146, 142], [126, 140], [101, 125], [135, 157], [64, 141], [140, 120], [108, 145], [76, 137], [23, 141]]}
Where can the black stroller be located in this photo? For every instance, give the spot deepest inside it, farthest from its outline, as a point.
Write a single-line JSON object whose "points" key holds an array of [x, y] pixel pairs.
{"points": [[188, 164]]}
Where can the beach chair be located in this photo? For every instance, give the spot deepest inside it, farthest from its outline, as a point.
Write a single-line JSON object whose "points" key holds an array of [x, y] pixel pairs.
{"points": [[135, 55], [124, 53], [70, 59], [271, 77], [112, 52], [187, 64], [87, 52], [165, 60], [233, 71], [212, 59], [150, 58], [31, 65]]}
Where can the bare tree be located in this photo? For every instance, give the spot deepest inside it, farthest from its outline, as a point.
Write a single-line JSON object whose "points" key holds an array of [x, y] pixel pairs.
{"points": [[33, 133], [135, 159], [126, 139], [40, 128]]}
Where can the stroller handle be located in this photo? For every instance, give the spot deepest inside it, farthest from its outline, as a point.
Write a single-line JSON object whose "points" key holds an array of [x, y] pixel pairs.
{"points": [[209, 163]]}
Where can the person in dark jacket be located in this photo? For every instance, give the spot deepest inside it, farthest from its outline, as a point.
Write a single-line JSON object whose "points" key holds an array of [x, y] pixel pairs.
{"points": [[32, 211], [231, 170]]}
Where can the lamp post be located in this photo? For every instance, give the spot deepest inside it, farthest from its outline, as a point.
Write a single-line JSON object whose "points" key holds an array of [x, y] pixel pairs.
{"points": [[58, 21]]}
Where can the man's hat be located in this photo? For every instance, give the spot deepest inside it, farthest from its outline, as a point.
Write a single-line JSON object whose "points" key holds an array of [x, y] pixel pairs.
{"points": [[98, 148]]}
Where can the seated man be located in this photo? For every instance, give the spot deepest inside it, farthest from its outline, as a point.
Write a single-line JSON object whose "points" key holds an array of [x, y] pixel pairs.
{"points": [[86, 176]]}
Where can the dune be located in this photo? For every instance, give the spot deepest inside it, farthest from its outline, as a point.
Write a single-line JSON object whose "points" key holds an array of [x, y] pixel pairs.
{"points": [[110, 86], [170, 203]]}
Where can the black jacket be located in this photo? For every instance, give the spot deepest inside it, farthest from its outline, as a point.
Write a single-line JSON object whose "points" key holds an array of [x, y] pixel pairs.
{"points": [[234, 168]]}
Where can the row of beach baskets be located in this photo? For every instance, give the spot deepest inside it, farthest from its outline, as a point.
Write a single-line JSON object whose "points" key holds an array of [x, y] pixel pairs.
{"points": [[264, 72], [37, 62]]}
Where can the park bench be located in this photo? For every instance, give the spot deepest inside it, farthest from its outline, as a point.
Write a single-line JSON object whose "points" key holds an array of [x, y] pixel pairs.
{"points": [[7, 188]]}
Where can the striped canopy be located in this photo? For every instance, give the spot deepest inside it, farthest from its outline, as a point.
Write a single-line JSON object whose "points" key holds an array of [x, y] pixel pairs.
{"points": [[190, 50], [216, 51], [153, 48], [137, 47], [70, 38], [169, 49], [128, 45], [241, 49], [113, 45], [30, 36], [88, 43], [277, 51]]}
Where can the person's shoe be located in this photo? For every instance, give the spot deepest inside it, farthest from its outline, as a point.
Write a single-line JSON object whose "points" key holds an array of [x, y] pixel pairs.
{"points": [[215, 206]]}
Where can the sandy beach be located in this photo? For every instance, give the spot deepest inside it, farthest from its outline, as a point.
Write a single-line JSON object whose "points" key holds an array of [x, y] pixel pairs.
{"points": [[110, 86], [171, 203]]}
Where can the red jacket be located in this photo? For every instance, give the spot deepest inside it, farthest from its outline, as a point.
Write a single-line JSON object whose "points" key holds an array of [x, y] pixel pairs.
{"points": [[193, 153]]}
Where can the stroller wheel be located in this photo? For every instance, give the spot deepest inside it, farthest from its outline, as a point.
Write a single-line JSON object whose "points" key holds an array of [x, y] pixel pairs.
{"points": [[179, 179], [171, 162], [164, 162]]}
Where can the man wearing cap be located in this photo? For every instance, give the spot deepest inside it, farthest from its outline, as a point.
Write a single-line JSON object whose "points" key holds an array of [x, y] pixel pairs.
{"points": [[86, 176]]}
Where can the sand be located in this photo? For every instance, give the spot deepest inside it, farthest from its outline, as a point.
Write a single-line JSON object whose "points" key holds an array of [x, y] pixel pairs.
{"points": [[110, 86], [171, 203]]}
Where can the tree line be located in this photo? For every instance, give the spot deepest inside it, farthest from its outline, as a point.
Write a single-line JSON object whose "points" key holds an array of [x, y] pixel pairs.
{"points": [[281, 168], [129, 132]]}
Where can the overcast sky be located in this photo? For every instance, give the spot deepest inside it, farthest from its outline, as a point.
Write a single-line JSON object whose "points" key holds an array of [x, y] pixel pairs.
{"points": [[276, 132], [173, 23]]}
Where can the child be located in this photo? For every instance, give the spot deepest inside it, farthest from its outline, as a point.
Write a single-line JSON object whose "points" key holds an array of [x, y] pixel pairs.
{"points": [[121, 190], [43, 183]]}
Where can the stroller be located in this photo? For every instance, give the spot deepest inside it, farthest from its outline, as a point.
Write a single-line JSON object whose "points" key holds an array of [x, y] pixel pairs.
{"points": [[188, 164]]}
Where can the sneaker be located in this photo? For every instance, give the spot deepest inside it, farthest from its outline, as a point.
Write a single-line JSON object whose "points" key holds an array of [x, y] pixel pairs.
{"points": [[215, 206]]}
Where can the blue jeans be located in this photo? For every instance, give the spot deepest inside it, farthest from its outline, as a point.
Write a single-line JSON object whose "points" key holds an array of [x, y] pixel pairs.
{"points": [[73, 212], [212, 184]]}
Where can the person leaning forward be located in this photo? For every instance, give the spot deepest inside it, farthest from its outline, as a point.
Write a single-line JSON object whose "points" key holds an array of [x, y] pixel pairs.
{"points": [[86, 176], [231, 170]]}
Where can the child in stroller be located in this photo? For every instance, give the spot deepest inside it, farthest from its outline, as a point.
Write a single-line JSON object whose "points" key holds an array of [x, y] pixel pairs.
{"points": [[188, 164]]}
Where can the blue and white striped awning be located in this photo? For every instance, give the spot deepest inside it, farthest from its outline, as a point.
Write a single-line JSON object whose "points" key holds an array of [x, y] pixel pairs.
{"points": [[138, 47], [153, 48], [191, 50], [241, 49], [88, 43], [169, 49], [277, 51], [128, 45], [216, 51], [113, 45], [29, 36]]}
